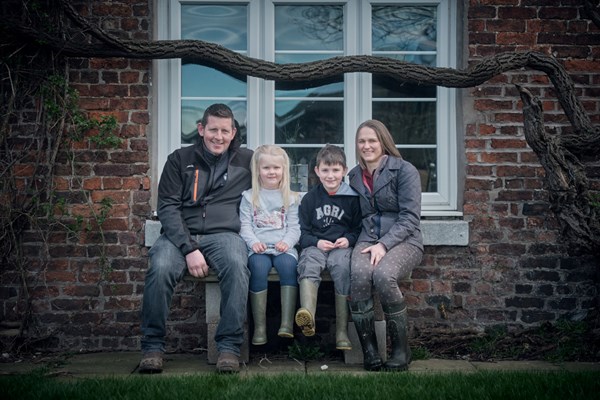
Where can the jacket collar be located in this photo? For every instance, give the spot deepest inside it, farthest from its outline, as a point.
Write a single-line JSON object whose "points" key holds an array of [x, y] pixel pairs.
{"points": [[386, 174]]}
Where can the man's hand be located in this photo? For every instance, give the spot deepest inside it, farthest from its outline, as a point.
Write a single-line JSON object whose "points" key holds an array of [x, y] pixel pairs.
{"points": [[377, 252], [196, 264]]}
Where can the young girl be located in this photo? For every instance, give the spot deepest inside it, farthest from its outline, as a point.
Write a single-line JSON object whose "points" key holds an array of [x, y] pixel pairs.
{"points": [[270, 227]]}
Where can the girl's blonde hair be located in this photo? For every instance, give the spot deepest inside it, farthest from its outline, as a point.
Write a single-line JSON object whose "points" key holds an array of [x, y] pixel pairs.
{"points": [[383, 135], [284, 186]]}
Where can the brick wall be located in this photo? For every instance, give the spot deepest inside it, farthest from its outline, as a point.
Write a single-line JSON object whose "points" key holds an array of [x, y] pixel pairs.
{"points": [[514, 271]]}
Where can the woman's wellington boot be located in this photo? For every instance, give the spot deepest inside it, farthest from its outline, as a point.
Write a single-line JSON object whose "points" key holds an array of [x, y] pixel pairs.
{"points": [[363, 316], [397, 326]]}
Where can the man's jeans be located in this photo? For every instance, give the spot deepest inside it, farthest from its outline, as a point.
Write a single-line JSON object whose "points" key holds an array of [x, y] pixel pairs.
{"points": [[227, 254]]}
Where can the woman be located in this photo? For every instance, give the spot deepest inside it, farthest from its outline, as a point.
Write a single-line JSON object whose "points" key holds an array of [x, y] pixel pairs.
{"points": [[390, 244]]}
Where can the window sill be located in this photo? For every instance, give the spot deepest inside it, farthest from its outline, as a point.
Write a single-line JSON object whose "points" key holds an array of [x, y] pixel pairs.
{"points": [[435, 233]]}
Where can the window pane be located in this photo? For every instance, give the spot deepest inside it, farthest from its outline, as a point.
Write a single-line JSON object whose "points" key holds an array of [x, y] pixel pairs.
{"points": [[191, 114], [404, 28], [302, 167], [425, 161], [309, 27], [309, 122], [331, 90], [408, 122], [226, 25], [199, 81], [291, 58], [387, 87], [424, 58]]}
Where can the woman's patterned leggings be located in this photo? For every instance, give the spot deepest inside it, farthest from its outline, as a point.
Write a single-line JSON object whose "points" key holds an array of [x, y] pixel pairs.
{"points": [[396, 265]]}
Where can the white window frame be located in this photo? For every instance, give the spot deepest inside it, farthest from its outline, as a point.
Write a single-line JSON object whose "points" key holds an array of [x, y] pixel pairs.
{"points": [[357, 87]]}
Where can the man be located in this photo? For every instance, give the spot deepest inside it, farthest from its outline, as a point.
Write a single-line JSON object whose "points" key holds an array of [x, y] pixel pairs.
{"points": [[198, 197]]}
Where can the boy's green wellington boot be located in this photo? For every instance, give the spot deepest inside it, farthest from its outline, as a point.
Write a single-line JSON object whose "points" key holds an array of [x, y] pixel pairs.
{"points": [[397, 326], [289, 295], [363, 316], [342, 342], [258, 303], [305, 316]]}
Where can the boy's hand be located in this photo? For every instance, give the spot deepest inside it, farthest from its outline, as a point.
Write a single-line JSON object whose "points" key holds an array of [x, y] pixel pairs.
{"points": [[342, 243], [259, 248], [325, 245], [281, 247]]}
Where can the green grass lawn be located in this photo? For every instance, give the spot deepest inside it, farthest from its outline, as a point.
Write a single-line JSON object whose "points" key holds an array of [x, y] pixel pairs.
{"points": [[381, 386]]}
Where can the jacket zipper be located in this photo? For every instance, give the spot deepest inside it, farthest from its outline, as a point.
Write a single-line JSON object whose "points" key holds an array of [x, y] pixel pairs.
{"points": [[196, 184]]}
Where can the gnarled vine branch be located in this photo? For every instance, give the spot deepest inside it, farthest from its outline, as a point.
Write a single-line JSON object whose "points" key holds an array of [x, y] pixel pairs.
{"points": [[559, 155]]}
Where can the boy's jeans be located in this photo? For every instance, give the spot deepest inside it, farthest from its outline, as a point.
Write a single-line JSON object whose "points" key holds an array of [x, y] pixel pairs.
{"points": [[314, 260], [227, 254]]}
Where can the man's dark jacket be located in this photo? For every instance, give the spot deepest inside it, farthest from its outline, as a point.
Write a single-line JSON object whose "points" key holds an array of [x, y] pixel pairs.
{"points": [[191, 201]]}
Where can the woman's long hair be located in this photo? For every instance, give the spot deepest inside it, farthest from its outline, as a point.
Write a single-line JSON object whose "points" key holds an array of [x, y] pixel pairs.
{"points": [[383, 135]]}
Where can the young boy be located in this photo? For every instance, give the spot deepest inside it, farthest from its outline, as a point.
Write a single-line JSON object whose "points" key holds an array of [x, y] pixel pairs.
{"points": [[329, 224]]}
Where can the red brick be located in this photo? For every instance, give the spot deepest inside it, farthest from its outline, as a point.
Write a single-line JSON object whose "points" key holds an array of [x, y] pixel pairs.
{"points": [[421, 286], [524, 13], [564, 13], [60, 276], [129, 77], [508, 143], [506, 25], [488, 104], [94, 183], [497, 158]]}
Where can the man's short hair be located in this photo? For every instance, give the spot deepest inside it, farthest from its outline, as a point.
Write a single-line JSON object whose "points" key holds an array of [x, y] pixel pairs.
{"points": [[218, 110], [331, 155]]}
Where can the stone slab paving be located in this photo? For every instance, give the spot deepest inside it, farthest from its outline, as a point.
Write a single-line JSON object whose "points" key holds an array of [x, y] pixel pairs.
{"points": [[516, 366], [125, 364]]}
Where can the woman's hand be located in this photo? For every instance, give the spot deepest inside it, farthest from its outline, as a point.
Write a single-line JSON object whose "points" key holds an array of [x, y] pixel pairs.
{"points": [[377, 252]]}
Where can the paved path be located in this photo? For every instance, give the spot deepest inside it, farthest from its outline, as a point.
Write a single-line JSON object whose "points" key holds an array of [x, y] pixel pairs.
{"points": [[125, 363]]}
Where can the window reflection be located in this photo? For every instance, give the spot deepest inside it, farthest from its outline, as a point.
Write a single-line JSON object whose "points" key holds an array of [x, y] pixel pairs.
{"points": [[425, 161], [226, 25], [309, 122], [302, 167], [309, 27], [307, 119], [192, 111], [408, 33], [405, 28], [409, 122]]}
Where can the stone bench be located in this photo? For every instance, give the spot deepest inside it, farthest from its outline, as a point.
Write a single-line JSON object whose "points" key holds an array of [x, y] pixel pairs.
{"points": [[212, 298], [212, 306]]}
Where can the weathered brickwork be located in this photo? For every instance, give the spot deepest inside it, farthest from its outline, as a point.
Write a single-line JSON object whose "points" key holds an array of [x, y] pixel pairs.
{"points": [[514, 271]]}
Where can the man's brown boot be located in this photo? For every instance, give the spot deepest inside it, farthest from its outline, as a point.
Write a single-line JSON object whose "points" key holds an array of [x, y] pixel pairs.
{"points": [[228, 363], [152, 363]]}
